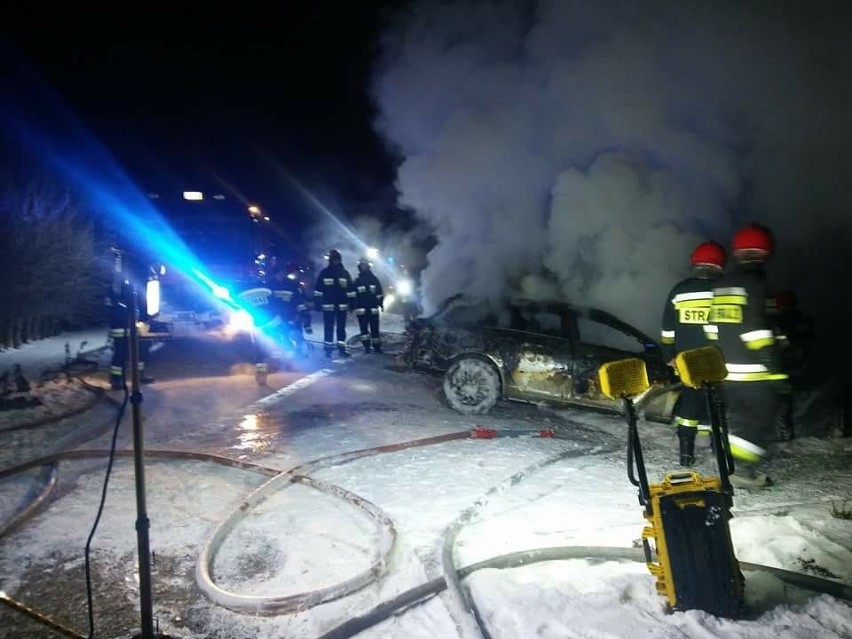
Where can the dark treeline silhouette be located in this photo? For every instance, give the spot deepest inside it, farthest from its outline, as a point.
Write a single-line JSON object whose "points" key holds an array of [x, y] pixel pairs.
{"points": [[52, 275]]}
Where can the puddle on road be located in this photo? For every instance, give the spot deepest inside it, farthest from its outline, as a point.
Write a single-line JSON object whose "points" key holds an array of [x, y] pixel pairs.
{"points": [[261, 431]]}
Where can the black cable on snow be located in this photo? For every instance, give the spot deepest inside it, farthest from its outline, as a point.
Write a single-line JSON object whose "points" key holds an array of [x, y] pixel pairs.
{"points": [[102, 502]]}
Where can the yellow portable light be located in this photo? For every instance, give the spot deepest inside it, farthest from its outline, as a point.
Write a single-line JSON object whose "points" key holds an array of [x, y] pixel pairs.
{"points": [[692, 556]]}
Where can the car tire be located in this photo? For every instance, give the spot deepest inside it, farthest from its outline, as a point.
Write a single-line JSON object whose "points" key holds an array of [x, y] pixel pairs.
{"points": [[472, 385]]}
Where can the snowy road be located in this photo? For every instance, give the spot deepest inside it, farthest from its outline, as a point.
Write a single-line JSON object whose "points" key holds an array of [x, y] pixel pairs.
{"points": [[294, 539]]}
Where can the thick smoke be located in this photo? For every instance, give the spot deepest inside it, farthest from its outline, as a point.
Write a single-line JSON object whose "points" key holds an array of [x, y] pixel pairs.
{"points": [[582, 149]]}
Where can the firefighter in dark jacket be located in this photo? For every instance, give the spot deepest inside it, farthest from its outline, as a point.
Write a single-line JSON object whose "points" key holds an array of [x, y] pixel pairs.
{"points": [[685, 315], [291, 304], [369, 302], [117, 300], [794, 333], [757, 381], [333, 295], [256, 299]]}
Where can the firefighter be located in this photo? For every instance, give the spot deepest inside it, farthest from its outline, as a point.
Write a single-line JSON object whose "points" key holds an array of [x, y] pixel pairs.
{"points": [[259, 303], [757, 381], [794, 333], [291, 304], [369, 301], [334, 295], [685, 315], [117, 298]]}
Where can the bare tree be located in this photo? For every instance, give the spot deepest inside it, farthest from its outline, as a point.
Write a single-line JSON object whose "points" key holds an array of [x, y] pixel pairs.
{"points": [[48, 261]]}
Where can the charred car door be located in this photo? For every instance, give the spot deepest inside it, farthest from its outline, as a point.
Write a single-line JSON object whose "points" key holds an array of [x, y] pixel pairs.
{"points": [[538, 357], [600, 338]]}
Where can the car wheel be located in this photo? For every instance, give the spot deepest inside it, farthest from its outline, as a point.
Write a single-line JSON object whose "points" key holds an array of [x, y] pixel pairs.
{"points": [[472, 386]]}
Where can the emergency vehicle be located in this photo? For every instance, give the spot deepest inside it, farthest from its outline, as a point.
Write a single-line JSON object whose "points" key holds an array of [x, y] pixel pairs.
{"points": [[216, 246]]}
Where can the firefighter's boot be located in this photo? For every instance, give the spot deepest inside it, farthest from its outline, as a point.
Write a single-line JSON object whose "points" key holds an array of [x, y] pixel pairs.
{"points": [[366, 344], [378, 347], [686, 440], [747, 476], [341, 350]]}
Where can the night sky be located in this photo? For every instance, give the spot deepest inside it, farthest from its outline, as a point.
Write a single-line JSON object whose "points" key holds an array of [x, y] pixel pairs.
{"points": [[174, 89]]}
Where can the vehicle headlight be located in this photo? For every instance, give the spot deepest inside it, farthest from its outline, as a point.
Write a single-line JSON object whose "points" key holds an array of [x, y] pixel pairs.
{"points": [[241, 320], [152, 297], [404, 287]]}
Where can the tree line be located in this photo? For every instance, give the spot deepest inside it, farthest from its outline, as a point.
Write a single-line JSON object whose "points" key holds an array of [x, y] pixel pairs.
{"points": [[52, 275]]}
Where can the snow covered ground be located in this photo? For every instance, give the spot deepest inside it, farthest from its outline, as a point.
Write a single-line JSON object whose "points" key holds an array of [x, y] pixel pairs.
{"points": [[384, 518]]}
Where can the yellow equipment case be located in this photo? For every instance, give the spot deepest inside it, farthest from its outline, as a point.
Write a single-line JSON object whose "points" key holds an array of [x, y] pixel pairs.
{"points": [[687, 541], [696, 567]]}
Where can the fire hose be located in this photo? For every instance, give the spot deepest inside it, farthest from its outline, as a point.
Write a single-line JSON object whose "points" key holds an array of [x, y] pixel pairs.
{"points": [[450, 579]]}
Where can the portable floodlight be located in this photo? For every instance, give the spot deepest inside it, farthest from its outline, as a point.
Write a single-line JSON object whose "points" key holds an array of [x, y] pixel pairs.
{"points": [[692, 556]]}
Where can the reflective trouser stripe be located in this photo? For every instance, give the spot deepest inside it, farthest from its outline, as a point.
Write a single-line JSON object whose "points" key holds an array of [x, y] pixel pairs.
{"points": [[755, 377], [118, 332], [684, 421], [376, 340], [704, 429], [751, 373], [755, 340], [745, 451], [261, 367], [360, 311]]}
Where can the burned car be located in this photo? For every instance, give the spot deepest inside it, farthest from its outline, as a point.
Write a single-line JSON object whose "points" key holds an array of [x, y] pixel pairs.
{"points": [[533, 351]]}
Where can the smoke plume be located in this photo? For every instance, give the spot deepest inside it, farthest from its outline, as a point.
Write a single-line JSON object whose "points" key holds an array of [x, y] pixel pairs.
{"points": [[580, 150]]}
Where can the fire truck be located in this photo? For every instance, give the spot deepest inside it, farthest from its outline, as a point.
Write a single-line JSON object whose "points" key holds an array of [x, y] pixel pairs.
{"points": [[203, 250]]}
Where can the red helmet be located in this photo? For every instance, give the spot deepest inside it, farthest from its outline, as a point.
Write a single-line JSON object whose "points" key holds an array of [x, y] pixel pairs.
{"points": [[709, 253], [753, 238]]}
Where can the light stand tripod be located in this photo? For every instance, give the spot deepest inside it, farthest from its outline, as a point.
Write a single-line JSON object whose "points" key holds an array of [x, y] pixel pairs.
{"points": [[142, 521]]}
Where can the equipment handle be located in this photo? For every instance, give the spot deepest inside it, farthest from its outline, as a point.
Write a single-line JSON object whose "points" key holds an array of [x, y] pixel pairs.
{"points": [[634, 453], [719, 432]]}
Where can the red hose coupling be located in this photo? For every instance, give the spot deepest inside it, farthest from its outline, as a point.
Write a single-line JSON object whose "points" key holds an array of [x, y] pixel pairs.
{"points": [[481, 432], [547, 432]]}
